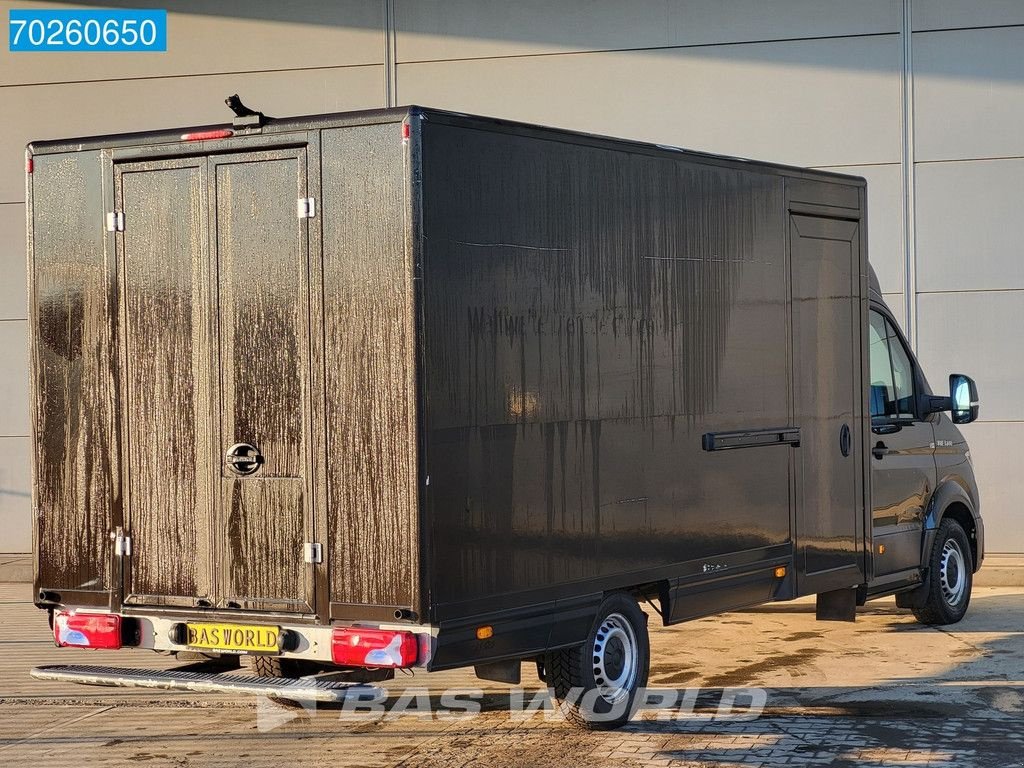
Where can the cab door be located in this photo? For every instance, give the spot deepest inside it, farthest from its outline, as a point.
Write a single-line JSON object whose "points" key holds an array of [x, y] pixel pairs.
{"points": [[902, 451]]}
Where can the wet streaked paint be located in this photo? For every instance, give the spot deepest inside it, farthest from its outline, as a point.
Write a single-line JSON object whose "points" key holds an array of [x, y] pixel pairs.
{"points": [[480, 375], [589, 314]]}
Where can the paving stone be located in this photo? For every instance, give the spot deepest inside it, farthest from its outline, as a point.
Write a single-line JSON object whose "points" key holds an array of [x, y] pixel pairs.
{"points": [[883, 691]]}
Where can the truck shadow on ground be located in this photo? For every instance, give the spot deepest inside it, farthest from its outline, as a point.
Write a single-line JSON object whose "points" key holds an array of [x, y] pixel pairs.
{"points": [[968, 712]]}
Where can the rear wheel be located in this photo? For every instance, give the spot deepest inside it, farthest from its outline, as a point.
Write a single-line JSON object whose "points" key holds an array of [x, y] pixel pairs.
{"points": [[275, 666], [951, 572], [596, 684], [210, 662]]}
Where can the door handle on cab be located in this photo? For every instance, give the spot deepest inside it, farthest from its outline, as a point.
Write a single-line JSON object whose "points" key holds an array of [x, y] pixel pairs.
{"points": [[886, 429], [881, 449]]}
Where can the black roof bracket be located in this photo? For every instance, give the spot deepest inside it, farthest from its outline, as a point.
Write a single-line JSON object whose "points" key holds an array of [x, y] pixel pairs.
{"points": [[244, 117]]}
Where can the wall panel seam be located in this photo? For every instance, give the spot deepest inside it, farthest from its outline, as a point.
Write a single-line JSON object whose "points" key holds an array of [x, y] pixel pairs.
{"points": [[967, 29], [187, 75], [855, 165], [641, 49], [993, 158], [971, 290]]}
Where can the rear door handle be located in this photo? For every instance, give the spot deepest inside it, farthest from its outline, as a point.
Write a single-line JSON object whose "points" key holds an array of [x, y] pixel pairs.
{"points": [[880, 450]]}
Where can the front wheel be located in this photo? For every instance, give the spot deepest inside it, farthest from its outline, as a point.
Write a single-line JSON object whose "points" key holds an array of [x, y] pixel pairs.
{"points": [[951, 572], [596, 684]]}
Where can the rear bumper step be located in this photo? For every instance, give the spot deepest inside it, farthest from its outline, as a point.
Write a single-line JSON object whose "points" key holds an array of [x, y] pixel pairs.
{"points": [[296, 689]]}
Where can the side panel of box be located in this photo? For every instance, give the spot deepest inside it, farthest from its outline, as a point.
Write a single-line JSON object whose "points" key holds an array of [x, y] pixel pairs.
{"points": [[590, 313]]}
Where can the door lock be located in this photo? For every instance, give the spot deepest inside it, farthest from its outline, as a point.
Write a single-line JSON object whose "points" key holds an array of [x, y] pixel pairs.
{"points": [[243, 459], [845, 440]]}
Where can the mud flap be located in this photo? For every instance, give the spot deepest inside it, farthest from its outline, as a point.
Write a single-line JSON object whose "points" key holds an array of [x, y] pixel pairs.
{"points": [[837, 605], [917, 597], [500, 671]]}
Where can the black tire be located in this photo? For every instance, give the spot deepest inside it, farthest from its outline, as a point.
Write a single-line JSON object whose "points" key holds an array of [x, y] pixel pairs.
{"points": [[275, 666], [581, 677], [951, 576], [210, 662]]}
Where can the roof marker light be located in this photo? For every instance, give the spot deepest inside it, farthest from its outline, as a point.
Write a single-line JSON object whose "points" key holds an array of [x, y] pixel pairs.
{"points": [[29, 165], [406, 131], [222, 133]]}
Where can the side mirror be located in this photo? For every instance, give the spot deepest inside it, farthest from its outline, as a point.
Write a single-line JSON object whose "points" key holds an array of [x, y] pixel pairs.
{"points": [[963, 397]]}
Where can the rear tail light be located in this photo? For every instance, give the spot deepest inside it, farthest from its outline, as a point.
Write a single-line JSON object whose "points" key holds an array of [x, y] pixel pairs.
{"points": [[87, 630], [358, 647]]}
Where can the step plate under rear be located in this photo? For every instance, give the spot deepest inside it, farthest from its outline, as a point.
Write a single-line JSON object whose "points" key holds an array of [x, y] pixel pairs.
{"points": [[296, 689]]}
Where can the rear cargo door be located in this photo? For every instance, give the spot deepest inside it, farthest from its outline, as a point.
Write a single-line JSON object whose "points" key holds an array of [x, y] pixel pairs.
{"points": [[261, 248], [166, 382], [825, 258], [214, 266]]}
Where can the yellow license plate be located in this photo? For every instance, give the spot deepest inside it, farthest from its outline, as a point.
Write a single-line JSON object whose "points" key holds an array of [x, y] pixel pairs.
{"points": [[218, 636]]}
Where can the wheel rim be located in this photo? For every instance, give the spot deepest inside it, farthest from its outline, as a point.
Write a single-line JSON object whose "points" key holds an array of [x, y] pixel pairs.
{"points": [[952, 573], [615, 658]]}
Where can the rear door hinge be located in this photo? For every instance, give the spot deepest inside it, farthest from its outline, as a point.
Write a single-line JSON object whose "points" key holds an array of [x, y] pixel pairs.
{"points": [[312, 553], [115, 221], [306, 208], [122, 543]]}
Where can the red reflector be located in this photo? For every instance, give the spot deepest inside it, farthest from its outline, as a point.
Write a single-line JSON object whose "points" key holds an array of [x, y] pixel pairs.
{"points": [[358, 647], [87, 630], [223, 133], [29, 165], [406, 132]]}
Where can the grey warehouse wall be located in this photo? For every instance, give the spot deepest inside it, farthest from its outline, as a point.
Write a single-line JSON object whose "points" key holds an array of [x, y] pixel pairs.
{"points": [[924, 99]]}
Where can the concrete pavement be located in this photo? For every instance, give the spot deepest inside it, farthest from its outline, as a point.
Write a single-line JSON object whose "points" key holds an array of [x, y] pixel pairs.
{"points": [[882, 691]]}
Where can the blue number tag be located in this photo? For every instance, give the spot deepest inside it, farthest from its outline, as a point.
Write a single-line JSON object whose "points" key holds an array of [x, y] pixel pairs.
{"points": [[87, 30]]}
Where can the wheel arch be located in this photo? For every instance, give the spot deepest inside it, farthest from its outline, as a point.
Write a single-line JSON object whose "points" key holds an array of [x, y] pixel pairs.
{"points": [[952, 501]]}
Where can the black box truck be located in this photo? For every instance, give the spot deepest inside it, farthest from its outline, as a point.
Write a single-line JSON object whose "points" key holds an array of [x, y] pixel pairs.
{"points": [[398, 389]]}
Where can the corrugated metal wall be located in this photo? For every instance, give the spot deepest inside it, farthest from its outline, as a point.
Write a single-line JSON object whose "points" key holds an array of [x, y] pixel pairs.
{"points": [[931, 117]]}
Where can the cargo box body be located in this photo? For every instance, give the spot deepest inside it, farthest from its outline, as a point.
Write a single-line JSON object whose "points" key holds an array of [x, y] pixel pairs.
{"points": [[442, 371]]}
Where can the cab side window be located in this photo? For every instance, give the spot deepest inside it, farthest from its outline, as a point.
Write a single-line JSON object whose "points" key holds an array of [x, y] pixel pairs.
{"points": [[892, 375]]}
